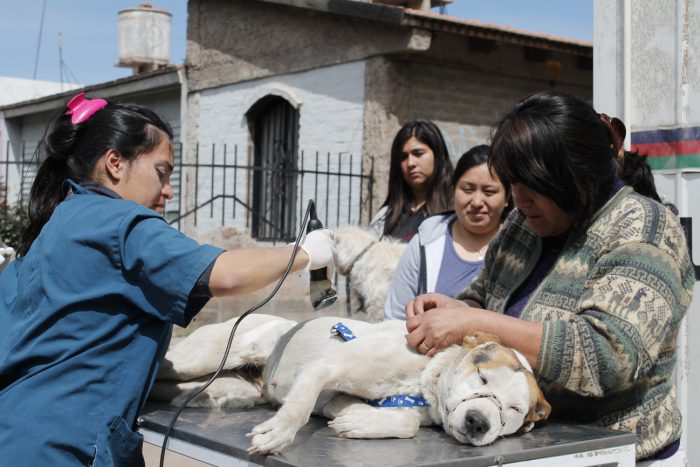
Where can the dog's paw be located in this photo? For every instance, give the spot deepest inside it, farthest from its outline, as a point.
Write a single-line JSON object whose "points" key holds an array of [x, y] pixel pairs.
{"points": [[370, 423], [348, 426], [270, 437], [201, 400], [355, 425]]}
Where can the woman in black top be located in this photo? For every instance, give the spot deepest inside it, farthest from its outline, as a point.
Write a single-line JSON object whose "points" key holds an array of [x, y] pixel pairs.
{"points": [[419, 181]]}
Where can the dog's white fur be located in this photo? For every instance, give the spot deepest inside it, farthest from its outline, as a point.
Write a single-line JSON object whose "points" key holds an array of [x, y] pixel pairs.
{"points": [[370, 273], [471, 389]]}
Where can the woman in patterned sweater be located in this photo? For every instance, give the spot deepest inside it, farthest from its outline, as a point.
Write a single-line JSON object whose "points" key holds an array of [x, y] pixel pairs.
{"points": [[587, 278]]}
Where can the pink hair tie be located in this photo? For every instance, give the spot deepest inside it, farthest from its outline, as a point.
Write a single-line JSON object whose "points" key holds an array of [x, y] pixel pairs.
{"points": [[81, 108]]}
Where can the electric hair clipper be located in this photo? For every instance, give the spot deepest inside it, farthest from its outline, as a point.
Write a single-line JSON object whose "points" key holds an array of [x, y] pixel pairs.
{"points": [[321, 291]]}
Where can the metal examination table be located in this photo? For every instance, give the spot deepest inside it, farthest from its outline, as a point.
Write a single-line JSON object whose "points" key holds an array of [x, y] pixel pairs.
{"points": [[217, 436]]}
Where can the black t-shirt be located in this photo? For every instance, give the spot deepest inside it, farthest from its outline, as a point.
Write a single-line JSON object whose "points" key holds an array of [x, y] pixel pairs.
{"points": [[407, 225]]}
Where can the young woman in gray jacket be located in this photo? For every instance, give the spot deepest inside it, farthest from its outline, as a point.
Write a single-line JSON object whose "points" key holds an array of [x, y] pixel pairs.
{"points": [[449, 249]]}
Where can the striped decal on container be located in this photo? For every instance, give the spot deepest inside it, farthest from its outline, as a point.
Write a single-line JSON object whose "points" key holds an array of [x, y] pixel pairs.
{"points": [[676, 148]]}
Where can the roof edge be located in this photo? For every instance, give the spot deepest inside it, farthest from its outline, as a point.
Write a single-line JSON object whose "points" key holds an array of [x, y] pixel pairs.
{"points": [[370, 11], [161, 78], [408, 17], [485, 30]]}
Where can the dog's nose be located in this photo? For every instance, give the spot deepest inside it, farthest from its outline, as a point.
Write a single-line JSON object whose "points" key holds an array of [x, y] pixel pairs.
{"points": [[475, 424]]}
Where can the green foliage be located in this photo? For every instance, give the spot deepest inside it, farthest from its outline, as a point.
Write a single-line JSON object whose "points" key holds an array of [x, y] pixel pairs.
{"points": [[12, 220]]}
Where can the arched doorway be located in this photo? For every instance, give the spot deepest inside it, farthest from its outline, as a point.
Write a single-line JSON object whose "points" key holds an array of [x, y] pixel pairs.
{"points": [[274, 126]]}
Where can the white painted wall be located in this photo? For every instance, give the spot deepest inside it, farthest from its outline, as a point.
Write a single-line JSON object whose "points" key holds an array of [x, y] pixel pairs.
{"points": [[646, 60], [24, 134], [646, 56], [13, 90], [18, 142], [3, 151], [330, 104]]}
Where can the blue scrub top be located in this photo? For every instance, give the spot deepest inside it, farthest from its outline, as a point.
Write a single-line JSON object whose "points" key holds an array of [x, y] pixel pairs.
{"points": [[85, 319]]}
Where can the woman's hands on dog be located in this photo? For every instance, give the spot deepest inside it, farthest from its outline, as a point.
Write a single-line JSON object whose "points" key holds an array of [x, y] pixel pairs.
{"points": [[436, 321], [428, 301]]}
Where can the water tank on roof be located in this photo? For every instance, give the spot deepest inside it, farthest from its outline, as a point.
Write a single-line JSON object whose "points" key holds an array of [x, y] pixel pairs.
{"points": [[144, 38]]}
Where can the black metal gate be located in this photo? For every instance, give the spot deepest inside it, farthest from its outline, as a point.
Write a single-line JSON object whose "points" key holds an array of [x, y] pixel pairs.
{"points": [[275, 136]]}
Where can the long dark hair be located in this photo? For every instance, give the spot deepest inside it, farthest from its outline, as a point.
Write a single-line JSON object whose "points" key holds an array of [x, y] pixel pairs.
{"points": [[439, 193], [474, 157], [632, 166], [557, 145], [72, 151], [635, 171]]}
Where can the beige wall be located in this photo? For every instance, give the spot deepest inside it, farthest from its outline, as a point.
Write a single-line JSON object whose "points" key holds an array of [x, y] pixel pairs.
{"points": [[464, 98], [237, 40]]}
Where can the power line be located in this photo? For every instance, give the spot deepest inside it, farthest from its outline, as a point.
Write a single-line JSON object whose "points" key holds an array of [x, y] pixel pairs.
{"points": [[60, 58], [62, 65], [69, 73], [38, 45]]}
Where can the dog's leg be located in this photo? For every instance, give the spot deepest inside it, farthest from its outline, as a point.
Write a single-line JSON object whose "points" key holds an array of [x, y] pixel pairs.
{"points": [[279, 431], [230, 391], [201, 352], [357, 302], [353, 418], [375, 310]]}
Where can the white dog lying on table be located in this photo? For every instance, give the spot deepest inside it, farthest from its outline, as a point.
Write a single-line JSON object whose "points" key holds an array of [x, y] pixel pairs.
{"points": [[477, 392]]}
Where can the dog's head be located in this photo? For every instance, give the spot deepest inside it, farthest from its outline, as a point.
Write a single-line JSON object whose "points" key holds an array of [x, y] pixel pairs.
{"points": [[349, 244], [487, 391]]}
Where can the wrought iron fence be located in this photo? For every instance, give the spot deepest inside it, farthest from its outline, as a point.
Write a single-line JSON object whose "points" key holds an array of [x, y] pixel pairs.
{"points": [[18, 174], [218, 186]]}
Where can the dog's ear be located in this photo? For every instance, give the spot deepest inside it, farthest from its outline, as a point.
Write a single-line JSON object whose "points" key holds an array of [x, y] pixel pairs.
{"points": [[478, 338], [541, 409], [527, 426]]}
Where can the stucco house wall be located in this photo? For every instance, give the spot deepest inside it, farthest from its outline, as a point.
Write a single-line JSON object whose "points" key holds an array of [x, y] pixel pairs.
{"points": [[463, 75], [329, 101]]}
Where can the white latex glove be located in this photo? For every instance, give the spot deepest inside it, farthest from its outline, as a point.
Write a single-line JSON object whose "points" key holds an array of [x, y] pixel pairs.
{"points": [[6, 253], [318, 245]]}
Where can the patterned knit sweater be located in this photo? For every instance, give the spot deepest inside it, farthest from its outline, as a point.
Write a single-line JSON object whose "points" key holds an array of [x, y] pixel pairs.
{"points": [[611, 307]]}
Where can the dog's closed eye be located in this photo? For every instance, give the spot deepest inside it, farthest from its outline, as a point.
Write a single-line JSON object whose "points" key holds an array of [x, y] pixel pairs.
{"points": [[516, 408], [482, 377]]}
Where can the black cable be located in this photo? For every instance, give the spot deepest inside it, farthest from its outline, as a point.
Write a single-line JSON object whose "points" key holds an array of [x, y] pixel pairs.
{"points": [[196, 392]]}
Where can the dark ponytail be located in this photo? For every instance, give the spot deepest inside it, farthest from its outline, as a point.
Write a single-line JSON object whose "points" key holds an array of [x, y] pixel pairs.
{"points": [[635, 172], [72, 151], [632, 167], [47, 189]]}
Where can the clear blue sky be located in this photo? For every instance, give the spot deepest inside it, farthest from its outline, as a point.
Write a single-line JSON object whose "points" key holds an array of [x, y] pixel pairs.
{"points": [[90, 43]]}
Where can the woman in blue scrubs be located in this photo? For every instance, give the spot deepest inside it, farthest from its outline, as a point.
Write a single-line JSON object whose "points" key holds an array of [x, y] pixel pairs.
{"points": [[86, 309]]}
